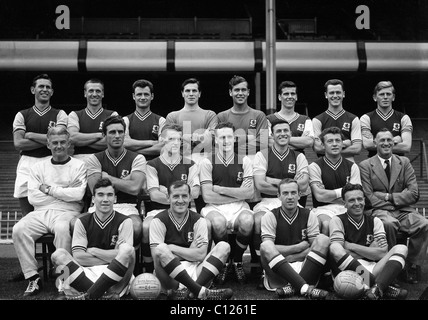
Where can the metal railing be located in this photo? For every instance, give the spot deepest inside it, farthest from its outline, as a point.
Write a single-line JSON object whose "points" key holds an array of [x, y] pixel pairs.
{"points": [[422, 155]]}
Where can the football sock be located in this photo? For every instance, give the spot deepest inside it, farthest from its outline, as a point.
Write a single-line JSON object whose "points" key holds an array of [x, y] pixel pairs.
{"points": [[112, 275], [313, 267], [241, 245], [199, 203], [210, 269], [391, 270], [285, 271], [177, 271], [257, 240], [147, 258], [347, 262], [76, 277]]}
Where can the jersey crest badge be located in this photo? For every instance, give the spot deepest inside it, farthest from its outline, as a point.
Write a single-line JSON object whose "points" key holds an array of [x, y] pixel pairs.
{"points": [[124, 174], [190, 236], [396, 127], [100, 128], [348, 178], [300, 127], [51, 124], [253, 123], [114, 239], [155, 129], [346, 126], [369, 239], [304, 234], [240, 177], [291, 168], [184, 177]]}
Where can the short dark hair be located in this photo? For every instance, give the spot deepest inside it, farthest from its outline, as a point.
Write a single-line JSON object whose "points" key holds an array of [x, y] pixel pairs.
{"points": [[276, 122], [142, 83], [103, 183], [191, 80], [41, 76], [286, 84], [351, 187], [382, 130], [226, 124], [93, 80], [286, 181], [237, 80], [111, 120], [332, 130], [178, 184], [171, 126], [333, 82]]}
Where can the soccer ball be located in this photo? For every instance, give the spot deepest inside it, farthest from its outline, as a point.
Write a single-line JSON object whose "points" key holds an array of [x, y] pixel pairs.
{"points": [[145, 286], [349, 285]]}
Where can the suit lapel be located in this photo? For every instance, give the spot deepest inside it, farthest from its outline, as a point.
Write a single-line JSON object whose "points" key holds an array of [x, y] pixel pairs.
{"points": [[380, 171], [395, 169]]}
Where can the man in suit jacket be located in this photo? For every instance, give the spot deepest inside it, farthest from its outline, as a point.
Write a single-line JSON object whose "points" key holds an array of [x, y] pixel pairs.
{"points": [[391, 200]]}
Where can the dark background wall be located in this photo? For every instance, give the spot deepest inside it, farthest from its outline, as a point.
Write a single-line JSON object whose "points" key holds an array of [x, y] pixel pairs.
{"points": [[390, 21]]}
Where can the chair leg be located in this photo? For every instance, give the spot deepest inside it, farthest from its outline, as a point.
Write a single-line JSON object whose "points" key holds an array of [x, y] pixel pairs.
{"points": [[45, 261]]}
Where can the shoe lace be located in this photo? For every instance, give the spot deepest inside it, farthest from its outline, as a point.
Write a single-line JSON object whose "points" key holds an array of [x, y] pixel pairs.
{"points": [[392, 292], [77, 297], [315, 293], [180, 294], [32, 285], [217, 294], [286, 291], [223, 273], [239, 271], [373, 293], [110, 296]]}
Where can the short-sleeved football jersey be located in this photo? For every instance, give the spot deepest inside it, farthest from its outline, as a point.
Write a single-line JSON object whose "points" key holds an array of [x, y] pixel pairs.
{"points": [[89, 122], [395, 121], [121, 167], [162, 173], [37, 121], [102, 234]]}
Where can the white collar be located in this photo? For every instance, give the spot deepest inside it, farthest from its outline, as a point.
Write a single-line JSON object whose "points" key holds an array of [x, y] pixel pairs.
{"points": [[382, 160]]}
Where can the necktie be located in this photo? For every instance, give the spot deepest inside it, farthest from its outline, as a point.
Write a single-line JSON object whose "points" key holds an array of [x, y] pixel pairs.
{"points": [[387, 169]]}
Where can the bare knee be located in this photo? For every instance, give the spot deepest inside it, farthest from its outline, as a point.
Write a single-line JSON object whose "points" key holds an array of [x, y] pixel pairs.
{"points": [[221, 250], [126, 251], [268, 250], [218, 225], [246, 223], [336, 251], [321, 243]]}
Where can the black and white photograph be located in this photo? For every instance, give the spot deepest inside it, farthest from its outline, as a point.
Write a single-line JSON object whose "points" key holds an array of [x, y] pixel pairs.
{"points": [[214, 158]]}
